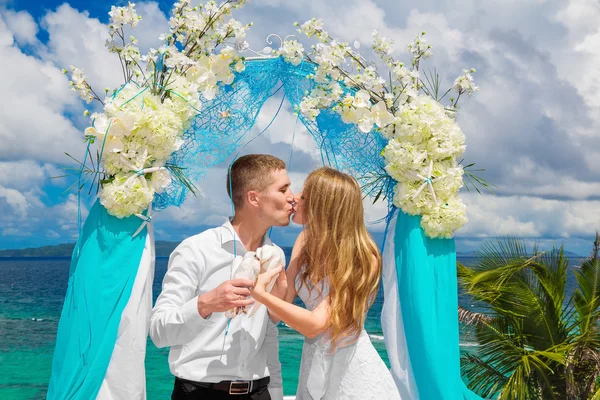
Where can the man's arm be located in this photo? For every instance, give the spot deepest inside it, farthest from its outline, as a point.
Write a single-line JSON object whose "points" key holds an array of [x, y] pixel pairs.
{"points": [[179, 314], [175, 318]]}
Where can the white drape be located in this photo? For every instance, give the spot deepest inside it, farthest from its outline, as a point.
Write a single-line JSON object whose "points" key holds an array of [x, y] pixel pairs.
{"points": [[125, 377], [391, 321]]}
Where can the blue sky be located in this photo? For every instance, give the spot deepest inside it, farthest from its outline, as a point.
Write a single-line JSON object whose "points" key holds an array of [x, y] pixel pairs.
{"points": [[534, 125]]}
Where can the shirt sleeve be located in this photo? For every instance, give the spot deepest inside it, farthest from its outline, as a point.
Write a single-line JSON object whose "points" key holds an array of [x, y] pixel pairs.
{"points": [[271, 344], [175, 319]]}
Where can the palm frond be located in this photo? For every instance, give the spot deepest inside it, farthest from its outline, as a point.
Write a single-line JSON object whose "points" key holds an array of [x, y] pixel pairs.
{"points": [[471, 318], [483, 378], [586, 297], [596, 395]]}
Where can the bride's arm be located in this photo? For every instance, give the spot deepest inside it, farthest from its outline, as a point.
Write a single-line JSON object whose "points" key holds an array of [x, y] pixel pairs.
{"points": [[290, 275], [308, 323]]}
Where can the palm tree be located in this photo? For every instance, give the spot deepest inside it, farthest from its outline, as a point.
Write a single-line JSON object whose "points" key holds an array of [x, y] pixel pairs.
{"points": [[533, 342]]}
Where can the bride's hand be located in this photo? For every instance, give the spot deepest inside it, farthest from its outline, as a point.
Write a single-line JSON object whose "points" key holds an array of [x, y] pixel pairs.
{"points": [[260, 287], [281, 285]]}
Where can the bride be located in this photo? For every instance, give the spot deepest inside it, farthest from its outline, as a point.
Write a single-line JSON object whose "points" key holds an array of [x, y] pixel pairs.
{"points": [[335, 269]]}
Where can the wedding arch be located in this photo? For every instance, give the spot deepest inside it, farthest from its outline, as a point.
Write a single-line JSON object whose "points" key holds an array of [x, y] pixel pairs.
{"points": [[191, 104]]}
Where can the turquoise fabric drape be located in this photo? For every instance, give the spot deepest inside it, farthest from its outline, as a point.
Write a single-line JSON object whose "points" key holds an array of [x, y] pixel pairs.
{"points": [[103, 269], [427, 287]]}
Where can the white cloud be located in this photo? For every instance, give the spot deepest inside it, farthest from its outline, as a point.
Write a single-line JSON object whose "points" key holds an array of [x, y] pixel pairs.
{"points": [[286, 128], [25, 174], [529, 216], [31, 216], [22, 25], [32, 106], [16, 200], [86, 50]]}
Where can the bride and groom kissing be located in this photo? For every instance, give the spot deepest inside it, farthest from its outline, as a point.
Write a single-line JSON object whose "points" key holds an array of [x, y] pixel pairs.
{"points": [[335, 269]]}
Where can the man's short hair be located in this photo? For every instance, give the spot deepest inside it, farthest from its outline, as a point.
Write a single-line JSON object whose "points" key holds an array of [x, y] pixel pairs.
{"points": [[251, 172]]}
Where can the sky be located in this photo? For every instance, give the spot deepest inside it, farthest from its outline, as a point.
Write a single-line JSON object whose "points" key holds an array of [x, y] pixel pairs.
{"points": [[534, 125]]}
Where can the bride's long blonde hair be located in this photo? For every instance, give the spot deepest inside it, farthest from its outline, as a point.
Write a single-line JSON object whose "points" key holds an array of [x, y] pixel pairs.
{"points": [[339, 250]]}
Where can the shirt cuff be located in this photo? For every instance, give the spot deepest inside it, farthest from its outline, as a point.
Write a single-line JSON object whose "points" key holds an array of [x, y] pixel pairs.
{"points": [[191, 316]]}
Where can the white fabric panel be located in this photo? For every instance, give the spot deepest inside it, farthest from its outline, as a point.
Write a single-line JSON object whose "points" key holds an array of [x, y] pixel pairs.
{"points": [[125, 377], [391, 321]]}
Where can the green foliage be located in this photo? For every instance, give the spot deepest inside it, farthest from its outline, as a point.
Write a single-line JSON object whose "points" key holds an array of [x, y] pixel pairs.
{"points": [[534, 342]]}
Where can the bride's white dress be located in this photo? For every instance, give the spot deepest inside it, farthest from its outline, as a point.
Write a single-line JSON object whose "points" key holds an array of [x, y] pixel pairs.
{"points": [[355, 371]]}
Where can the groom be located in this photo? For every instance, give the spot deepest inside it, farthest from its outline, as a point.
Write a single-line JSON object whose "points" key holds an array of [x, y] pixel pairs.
{"points": [[211, 357]]}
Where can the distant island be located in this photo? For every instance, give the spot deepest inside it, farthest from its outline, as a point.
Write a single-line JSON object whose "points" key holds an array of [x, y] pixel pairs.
{"points": [[163, 249]]}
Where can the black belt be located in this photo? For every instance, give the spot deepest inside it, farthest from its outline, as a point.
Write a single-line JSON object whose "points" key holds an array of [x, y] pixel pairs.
{"points": [[232, 387]]}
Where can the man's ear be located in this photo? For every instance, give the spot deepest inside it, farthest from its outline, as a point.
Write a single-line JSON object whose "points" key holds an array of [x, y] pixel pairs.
{"points": [[252, 197]]}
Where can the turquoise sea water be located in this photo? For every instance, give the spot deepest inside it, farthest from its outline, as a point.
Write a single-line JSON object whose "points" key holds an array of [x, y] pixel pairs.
{"points": [[31, 297]]}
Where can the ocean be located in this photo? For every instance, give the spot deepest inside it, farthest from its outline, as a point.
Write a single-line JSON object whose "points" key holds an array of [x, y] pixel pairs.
{"points": [[31, 297]]}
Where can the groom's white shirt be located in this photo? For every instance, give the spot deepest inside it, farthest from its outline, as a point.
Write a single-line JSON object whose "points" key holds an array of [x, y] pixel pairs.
{"points": [[200, 349]]}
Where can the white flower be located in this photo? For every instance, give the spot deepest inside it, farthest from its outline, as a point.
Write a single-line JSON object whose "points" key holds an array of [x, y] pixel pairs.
{"points": [[160, 180], [79, 84], [362, 98], [309, 107], [120, 16], [382, 46], [239, 66], [465, 84], [312, 27], [292, 51], [381, 115], [419, 47], [443, 220], [126, 195]]}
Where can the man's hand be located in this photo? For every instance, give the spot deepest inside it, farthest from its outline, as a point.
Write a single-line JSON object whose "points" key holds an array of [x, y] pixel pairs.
{"points": [[226, 296], [281, 285]]}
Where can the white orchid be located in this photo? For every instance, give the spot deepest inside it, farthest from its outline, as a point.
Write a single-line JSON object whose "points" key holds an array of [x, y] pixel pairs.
{"points": [[381, 115], [464, 83]]}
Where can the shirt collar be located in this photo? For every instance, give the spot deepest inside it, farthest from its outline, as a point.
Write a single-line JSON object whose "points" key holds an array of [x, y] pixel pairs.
{"points": [[228, 234]]}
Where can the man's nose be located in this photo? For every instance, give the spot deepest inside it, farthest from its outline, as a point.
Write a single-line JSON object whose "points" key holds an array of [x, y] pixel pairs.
{"points": [[291, 198]]}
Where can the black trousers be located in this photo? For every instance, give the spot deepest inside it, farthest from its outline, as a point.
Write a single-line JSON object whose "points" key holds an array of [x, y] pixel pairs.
{"points": [[186, 390]]}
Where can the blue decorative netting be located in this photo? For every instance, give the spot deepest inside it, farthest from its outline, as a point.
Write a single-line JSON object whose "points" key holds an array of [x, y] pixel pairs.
{"points": [[224, 122]]}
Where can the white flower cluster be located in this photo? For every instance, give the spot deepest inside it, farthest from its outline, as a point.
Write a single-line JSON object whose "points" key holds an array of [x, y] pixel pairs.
{"points": [[213, 69], [464, 83], [421, 156], [419, 47], [79, 84], [292, 51], [424, 141], [206, 26], [382, 46], [121, 16], [142, 122], [314, 27]]}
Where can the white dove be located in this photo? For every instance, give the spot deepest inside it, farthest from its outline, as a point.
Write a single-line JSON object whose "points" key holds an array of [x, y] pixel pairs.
{"points": [[246, 267], [270, 257]]}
